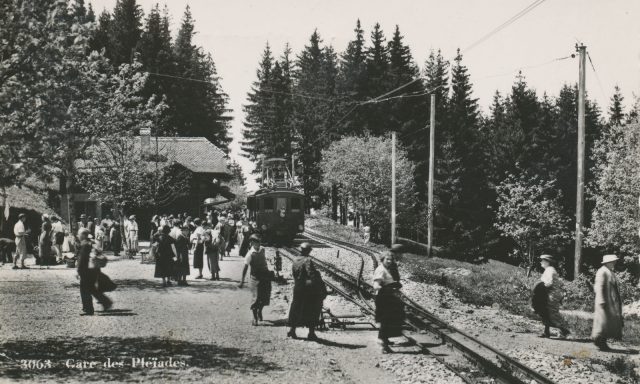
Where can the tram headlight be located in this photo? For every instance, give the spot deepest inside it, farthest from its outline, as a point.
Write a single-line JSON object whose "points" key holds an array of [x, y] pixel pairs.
{"points": [[264, 227], [300, 227]]}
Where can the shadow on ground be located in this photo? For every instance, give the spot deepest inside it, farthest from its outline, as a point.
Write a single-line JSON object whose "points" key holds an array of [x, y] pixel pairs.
{"points": [[202, 360], [199, 286]]}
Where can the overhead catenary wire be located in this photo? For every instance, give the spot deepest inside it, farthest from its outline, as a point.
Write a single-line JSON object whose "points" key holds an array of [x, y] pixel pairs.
{"points": [[504, 25], [595, 73]]}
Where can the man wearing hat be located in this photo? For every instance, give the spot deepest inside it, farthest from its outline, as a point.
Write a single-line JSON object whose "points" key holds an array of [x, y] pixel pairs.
{"points": [[20, 232], [131, 230], [82, 223], [260, 277], [88, 274], [607, 316]]}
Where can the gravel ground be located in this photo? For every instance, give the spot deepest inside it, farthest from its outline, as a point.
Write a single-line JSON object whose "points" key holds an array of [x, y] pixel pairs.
{"points": [[197, 333], [568, 361]]}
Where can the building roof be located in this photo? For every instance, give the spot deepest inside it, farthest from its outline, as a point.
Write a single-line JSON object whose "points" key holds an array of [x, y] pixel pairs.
{"points": [[197, 154]]}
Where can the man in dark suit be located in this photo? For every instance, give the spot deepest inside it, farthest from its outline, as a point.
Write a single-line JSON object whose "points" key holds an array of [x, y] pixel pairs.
{"points": [[88, 275]]}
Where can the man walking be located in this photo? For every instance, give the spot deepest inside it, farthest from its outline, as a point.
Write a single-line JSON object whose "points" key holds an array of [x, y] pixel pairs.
{"points": [[607, 316], [20, 232], [88, 275]]}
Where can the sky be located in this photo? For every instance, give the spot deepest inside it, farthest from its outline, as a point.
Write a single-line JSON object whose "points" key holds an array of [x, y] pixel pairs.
{"points": [[235, 33]]}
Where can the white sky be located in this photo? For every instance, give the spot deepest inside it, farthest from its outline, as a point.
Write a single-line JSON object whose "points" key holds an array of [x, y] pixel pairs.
{"points": [[235, 32]]}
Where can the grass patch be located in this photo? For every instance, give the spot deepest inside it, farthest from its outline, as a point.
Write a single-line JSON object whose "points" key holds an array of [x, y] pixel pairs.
{"points": [[509, 287]]}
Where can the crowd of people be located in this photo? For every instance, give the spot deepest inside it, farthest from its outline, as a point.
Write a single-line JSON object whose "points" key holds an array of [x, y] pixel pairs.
{"points": [[212, 237]]}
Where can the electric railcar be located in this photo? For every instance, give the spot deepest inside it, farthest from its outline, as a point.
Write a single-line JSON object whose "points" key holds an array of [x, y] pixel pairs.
{"points": [[278, 207]]}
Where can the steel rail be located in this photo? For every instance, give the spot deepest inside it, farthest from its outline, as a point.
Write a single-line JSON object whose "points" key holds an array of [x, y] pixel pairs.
{"points": [[505, 368]]}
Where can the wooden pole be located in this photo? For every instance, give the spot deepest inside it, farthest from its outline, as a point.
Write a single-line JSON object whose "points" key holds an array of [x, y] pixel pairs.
{"points": [[393, 188], [432, 145], [580, 184]]}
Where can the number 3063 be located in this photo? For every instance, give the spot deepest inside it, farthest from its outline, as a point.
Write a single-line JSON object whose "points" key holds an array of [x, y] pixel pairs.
{"points": [[35, 364]]}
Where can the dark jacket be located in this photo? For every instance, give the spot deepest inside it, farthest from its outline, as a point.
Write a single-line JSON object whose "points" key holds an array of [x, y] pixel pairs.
{"points": [[83, 255]]}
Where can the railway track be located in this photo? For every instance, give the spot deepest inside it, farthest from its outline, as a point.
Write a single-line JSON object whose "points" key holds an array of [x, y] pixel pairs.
{"points": [[471, 359]]}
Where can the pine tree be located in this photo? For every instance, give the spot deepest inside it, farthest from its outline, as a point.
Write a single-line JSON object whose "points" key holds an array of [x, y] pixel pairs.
{"points": [[377, 71], [417, 141], [257, 119], [313, 117], [616, 110], [522, 112], [91, 16], [78, 11], [353, 81], [100, 39], [157, 58], [471, 220], [125, 31], [197, 105]]}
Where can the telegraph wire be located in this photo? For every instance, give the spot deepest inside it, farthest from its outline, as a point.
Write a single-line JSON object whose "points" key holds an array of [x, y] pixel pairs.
{"points": [[597, 78], [504, 25], [526, 67]]}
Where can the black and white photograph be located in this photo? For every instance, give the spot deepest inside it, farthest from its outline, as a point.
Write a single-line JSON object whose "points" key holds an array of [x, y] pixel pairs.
{"points": [[320, 191]]}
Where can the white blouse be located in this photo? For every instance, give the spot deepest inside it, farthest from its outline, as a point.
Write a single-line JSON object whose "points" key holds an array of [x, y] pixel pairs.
{"points": [[381, 277]]}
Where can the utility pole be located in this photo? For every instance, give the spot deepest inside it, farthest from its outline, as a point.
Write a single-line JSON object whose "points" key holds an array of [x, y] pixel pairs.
{"points": [[393, 188], [432, 157], [582, 50]]}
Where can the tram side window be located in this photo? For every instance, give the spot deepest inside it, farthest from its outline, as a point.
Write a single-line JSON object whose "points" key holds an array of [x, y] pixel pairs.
{"points": [[295, 205], [267, 204], [251, 204]]}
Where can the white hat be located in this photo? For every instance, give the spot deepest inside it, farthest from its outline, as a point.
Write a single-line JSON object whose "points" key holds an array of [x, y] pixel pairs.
{"points": [[609, 258]]}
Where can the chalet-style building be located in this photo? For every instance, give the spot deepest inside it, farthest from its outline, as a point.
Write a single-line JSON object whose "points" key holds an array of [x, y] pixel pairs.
{"points": [[205, 163]]}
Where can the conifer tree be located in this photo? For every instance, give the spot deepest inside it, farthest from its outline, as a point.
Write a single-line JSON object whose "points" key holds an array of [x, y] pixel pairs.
{"points": [[198, 105], [100, 39], [616, 110], [353, 80], [377, 71], [257, 119], [125, 31]]}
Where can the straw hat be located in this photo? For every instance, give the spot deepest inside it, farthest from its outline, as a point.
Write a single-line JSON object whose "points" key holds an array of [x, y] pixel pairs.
{"points": [[609, 258], [547, 257], [255, 237]]}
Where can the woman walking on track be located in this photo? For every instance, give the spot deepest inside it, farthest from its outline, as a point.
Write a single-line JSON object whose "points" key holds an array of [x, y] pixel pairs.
{"points": [[212, 248], [166, 254], [182, 265], [389, 306], [553, 285], [607, 317], [260, 279], [197, 239], [308, 293]]}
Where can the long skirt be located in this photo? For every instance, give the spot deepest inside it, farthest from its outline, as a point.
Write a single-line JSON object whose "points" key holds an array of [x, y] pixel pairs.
{"points": [[198, 256], [306, 307], [389, 312], [164, 266], [182, 265], [212, 262], [260, 291], [244, 246], [554, 318]]}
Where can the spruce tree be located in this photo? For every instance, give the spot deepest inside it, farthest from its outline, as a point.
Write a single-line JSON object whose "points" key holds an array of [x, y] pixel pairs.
{"points": [[257, 121], [378, 83], [198, 105], [125, 31], [616, 109], [353, 81], [100, 39]]}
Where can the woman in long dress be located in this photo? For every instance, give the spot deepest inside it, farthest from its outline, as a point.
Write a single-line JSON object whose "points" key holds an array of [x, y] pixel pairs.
{"points": [[247, 231], [44, 241], [166, 254], [182, 264], [212, 249], [309, 292], [260, 278], [389, 306], [553, 285], [197, 239]]}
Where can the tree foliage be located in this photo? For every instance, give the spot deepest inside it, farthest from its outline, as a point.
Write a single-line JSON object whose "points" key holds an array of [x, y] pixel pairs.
{"points": [[616, 223], [361, 167], [530, 214]]}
